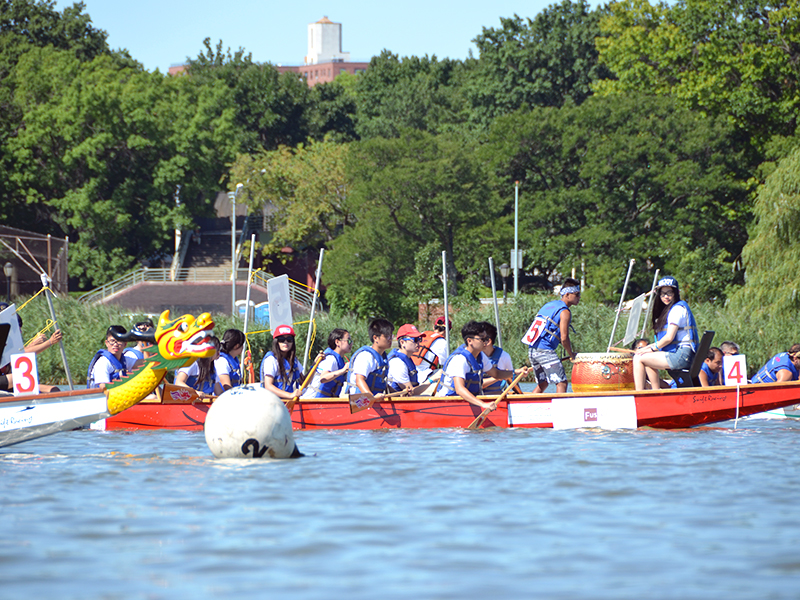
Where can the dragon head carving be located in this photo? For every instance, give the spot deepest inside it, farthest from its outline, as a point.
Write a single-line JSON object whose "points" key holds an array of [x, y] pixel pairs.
{"points": [[184, 338]]}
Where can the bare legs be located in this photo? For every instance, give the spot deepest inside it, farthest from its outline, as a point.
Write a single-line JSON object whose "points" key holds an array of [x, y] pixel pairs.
{"points": [[646, 367]]}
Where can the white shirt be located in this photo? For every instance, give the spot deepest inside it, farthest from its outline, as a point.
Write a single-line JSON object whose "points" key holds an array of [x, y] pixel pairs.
{"points": [[222, 367], [678, 315], [504, 364], [326, 364], [102, 370], [130, 359], [364, 364], [457, 367], [398, 371]]}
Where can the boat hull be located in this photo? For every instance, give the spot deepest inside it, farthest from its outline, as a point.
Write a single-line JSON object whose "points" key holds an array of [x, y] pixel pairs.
{"points": [[663, 409], [24, 418]]}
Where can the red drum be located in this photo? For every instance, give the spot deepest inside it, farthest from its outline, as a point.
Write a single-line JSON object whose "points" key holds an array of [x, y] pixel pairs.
{"points": [[602, 372]]}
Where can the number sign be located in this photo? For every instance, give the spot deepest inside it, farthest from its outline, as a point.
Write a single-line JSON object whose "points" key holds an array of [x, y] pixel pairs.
{"points": [[25, 373], [734, 369]]}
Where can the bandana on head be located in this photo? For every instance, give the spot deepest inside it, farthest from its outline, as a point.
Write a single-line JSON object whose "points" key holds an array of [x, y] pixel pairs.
{"points": [[575, 289]]}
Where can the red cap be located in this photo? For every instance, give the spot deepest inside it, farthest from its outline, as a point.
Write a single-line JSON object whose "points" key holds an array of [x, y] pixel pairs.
{"points": [[283, 330], [408, 331], [440, 322]]}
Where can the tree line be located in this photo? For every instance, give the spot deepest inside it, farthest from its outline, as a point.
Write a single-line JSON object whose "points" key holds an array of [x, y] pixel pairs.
{"points": [[660, 132]]}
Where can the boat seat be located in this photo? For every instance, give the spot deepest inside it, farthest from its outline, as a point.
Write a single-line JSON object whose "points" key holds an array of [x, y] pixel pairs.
{"points": [[690, 377]]}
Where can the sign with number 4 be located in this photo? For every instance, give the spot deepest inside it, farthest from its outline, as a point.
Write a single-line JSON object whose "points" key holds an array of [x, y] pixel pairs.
{"points": [[734, 369], [25, 373]]}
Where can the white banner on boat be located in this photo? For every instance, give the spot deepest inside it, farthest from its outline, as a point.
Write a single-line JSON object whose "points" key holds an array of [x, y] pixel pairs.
{"points": [[528, 413], [601, 412], [280, 305], [17, 417]]}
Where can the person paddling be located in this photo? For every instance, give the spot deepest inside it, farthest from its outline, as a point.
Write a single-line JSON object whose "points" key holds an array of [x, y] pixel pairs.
{"points": [[281, 372], [368, 365], [676, 337], [549, 329], [227, 365], [402, 372], [107, 364], [331, 374], [784, 366]]}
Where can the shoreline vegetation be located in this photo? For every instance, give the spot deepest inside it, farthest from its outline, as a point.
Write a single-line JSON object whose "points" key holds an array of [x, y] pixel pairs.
{"points": [[84, 327]]}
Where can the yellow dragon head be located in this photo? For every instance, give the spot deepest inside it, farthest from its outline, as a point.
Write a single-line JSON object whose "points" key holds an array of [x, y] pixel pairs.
{"points": [[184, 339]]}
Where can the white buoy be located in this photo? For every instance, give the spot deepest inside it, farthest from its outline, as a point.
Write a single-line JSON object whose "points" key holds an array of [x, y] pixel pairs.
{"points": [[250, 422]]}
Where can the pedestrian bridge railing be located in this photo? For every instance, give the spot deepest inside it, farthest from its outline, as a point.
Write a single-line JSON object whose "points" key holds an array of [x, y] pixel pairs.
{"points": [[297, 293]]}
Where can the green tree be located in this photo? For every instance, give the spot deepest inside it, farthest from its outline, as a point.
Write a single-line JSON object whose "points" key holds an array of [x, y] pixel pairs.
{"points": [[332, 110], [619, 178], [737, 59], [544, 61], [772, 288], [412, 196]]}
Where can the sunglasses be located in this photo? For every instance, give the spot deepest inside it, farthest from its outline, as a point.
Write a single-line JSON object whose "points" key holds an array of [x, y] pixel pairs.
{"points": [[285, 339], [416, 340]]}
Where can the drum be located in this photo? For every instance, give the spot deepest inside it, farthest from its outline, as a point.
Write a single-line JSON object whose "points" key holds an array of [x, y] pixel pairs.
{"points": [[602, 372]]}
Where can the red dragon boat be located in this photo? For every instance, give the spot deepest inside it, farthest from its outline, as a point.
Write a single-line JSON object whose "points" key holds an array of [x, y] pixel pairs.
{"points": [[180, 408]]}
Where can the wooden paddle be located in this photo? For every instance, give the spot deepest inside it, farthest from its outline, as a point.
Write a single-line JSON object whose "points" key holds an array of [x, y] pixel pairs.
{"points": [[290, 403], [482, 417], [625, 350]]}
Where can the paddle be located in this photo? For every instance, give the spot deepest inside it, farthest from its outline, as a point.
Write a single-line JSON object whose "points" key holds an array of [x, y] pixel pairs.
{"points": [[290, 403], [625, 350], [363, 400], [482, 417]]}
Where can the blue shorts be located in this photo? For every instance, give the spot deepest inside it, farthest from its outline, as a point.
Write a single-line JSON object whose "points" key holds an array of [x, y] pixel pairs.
{"points": [[681, 358]]}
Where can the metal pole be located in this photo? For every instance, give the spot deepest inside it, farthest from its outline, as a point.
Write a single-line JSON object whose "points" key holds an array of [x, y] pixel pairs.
{"points": [[499, 340], [313, 307], [247, 301], [516, 238], [47, 293], [446, 311], [232, 198], [621, 301]]}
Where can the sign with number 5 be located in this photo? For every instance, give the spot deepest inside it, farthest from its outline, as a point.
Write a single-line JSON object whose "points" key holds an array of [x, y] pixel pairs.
{"points": [[734, 369], [25, 373]]}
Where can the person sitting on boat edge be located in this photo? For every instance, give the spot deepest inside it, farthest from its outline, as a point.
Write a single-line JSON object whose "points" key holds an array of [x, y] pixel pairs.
{"points": [[135, 356], [729, 348], [368, 365], [331, 373], [432, 350], [227, 365], [201, 374], [711, 368], [676, 337], [464, 368], [107, 364], [38, 344], [402, 372], [281, 372], [549, 329], [784, 366], [498, 358]]}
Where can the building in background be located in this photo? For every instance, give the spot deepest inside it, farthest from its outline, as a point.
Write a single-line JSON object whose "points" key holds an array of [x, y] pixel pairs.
{"points": [[325, 60]]}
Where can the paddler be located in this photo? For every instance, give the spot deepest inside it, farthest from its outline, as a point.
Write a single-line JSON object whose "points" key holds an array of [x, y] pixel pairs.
{"points": [[227, 365], [464, 369], [432, 350], [498, 358], [784, 366], [281, 372], [369, 364], [107, 364], [676, 337], [402, 373], [549, 329], [331, 374]]}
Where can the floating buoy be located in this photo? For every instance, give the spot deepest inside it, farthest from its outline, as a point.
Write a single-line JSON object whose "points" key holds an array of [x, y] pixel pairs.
{"points": [[250, 422]]}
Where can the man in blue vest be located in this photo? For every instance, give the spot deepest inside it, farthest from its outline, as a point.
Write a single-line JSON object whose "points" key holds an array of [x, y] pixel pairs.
{"points": [[402, 370], [368, 365], [107, 364], [549, 329]]}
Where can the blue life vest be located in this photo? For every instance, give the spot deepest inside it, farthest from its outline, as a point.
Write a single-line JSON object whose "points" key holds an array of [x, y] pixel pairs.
{"points": [[499, 385], [412, 370], [137, 353], [769, 372], [474, 376], [233, 365], [293, 372], [332, 388], [208, 386], [692, 328], [376, 381], [545, 331], [119, 368]]}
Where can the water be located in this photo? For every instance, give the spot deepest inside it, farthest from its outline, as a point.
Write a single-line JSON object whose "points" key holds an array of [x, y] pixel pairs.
{"points": [[706, 513]]}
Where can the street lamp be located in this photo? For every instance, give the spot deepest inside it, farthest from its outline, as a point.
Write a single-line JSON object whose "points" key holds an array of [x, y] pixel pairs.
{"points": [[8, 269], [504, 269]]}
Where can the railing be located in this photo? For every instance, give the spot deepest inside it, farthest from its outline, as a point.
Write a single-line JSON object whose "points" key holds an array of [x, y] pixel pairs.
{"points": [[297, 293]]}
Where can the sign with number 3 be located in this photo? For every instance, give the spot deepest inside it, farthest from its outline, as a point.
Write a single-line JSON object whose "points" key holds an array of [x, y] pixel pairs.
{"points": [[734, 368], [25, 373]]}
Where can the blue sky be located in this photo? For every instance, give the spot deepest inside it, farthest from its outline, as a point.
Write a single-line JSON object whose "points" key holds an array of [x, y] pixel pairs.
{"points": [[161, 33]]}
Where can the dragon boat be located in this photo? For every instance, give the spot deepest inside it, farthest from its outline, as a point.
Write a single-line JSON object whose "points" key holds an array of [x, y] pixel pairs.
{"points": [[179, 342], [181, 408]]}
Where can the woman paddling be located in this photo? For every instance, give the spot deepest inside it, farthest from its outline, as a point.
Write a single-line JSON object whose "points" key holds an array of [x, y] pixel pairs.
{"points": [[676, 337], [281, 372], [201, 374], [227, 365]]}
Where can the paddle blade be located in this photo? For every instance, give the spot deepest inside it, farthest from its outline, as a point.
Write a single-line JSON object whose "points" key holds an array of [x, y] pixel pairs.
{"points": [[359, 402], [290, 404]]}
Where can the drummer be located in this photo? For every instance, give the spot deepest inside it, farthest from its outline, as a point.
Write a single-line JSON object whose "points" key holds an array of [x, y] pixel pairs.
{"points": [[549, 329]]}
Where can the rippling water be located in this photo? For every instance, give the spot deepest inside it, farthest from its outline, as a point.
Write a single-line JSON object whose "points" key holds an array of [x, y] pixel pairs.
{"points": [[708, 513]]}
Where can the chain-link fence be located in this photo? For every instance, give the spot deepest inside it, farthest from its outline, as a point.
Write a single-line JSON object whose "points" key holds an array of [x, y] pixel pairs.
{"points": [[25, 255]]}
